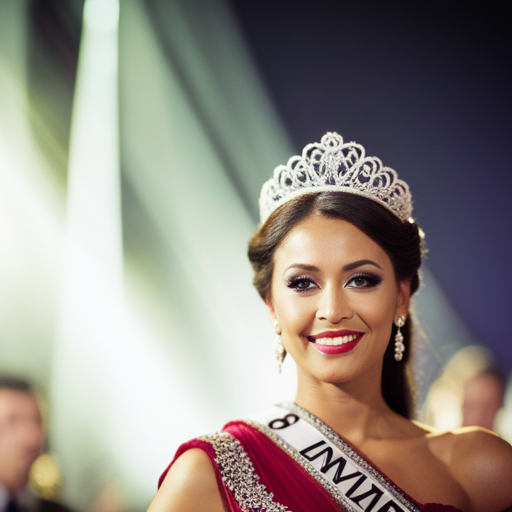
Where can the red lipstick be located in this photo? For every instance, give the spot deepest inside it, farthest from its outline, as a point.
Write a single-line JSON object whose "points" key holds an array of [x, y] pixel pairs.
{"points": [[341, 348]]}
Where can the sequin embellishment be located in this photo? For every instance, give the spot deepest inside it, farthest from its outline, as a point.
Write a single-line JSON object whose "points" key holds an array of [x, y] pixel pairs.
{"points": [[336, 495], [239, 476]]}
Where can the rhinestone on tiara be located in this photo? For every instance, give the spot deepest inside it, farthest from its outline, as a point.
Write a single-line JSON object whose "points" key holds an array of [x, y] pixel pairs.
{"points": [[334, 166]]}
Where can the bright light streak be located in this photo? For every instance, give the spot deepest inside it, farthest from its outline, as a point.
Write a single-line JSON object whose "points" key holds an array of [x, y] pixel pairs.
{"points": [[101, 15], [109, 368], [91, 323]]}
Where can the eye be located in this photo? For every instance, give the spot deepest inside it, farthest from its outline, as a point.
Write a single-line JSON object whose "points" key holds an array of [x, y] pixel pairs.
{"points": [[301, 283], [363, 281]]}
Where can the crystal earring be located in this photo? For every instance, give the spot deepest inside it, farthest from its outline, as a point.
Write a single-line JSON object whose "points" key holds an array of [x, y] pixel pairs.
{"points": [[279, 352], [399, 339]]}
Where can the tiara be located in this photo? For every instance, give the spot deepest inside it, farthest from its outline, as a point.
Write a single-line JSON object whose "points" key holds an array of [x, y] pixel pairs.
{"points": [[334, 166]]}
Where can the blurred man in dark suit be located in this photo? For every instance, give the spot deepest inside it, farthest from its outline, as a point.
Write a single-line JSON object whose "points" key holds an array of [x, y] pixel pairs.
{"points": [[21, 442]]}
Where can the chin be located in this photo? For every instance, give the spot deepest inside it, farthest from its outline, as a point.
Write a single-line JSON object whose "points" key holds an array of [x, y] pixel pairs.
{"points": [[331, 375]]}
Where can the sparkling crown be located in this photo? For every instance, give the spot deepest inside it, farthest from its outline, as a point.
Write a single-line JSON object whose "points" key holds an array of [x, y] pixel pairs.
{"points": [[334, 166]]}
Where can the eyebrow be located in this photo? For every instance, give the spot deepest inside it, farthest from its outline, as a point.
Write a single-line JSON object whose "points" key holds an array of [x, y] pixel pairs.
{"points": [[303, 266], [360, 263], [346, 268]]}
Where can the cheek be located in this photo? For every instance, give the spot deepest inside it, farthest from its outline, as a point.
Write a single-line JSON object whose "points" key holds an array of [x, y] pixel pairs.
{"points": [[296, 319], [376, 311], [295, 314]]}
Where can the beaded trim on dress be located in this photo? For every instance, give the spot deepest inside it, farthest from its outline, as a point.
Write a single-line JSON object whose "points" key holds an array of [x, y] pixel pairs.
{"points": [[239, 476], [329, 487]]}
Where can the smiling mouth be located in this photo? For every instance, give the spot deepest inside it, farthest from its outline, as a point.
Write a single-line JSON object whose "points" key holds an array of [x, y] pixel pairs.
{"points": [[328, 339], [339, 340], [336, 342]]}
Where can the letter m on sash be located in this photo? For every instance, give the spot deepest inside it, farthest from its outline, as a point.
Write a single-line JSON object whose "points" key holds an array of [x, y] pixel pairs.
{"points": [[328, 463]]}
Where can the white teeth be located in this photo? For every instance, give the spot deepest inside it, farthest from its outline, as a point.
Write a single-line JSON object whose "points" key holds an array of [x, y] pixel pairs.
{"points": [[337, 341]]}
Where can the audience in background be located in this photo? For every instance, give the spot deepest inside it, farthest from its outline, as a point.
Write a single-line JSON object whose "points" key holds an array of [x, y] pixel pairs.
{"points": [[21, 443], [483, 399], [470, 392]]}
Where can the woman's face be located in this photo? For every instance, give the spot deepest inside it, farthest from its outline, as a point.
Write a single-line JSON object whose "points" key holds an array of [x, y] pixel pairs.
{"points": [[334, 298]]}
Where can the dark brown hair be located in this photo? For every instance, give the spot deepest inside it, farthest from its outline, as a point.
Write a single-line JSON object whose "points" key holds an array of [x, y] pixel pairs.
{"points": [[401, 241], [16, 384]]}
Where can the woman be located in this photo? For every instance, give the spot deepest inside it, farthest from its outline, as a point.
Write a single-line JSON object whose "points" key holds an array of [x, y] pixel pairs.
{"points": [[336, 260]]}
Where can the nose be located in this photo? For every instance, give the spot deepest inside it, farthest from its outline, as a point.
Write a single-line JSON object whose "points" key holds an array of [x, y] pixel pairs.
{"points": [[333, 305]]}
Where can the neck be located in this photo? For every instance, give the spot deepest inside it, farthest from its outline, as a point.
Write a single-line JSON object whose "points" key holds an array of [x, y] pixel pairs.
{"points": [[356, 410]]}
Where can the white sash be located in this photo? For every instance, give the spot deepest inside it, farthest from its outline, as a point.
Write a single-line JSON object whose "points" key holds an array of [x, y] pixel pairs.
{"points": [[344, 473]]}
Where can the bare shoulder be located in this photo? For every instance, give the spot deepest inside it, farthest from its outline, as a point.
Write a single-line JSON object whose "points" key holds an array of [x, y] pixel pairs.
{"points": [[190, 486], [481, 462]]}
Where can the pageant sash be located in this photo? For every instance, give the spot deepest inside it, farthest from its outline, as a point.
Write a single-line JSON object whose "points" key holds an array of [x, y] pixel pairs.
{"points": [[347, 476]]}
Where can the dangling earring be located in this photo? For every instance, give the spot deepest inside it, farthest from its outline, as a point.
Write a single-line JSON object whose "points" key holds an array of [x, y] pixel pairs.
{"points": [[399, 339], [279, 352]]}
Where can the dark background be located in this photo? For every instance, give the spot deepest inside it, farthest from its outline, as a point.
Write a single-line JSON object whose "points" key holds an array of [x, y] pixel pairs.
{"points": [[426, 87]]}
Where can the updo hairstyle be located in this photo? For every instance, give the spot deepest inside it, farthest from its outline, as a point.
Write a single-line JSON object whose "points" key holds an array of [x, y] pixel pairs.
{"points": [[401, 241]]}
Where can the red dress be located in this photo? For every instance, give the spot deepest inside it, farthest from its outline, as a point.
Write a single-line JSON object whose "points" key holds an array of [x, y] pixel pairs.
{"points": [[256, 475]]}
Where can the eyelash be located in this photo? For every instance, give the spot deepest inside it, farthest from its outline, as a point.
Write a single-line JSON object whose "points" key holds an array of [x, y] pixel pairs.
{"points": [[293, 283], [371, 279]]}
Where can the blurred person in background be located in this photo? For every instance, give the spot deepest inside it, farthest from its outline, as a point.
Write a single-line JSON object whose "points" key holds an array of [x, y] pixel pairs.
{"points": [[484, 396], [469, 392], [21, 443]]}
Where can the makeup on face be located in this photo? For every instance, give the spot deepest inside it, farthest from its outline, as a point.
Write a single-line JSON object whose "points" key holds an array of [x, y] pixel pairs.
{"points": [[335, 296], [336, 342]]}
